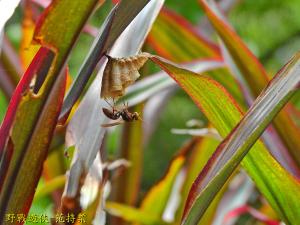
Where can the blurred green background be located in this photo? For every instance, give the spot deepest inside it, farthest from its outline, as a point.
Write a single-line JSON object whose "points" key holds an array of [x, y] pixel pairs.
{"points": [[270, 28]]}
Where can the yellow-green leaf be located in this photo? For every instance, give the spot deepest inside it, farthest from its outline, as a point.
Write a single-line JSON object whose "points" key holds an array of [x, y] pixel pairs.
{"points": [[276, 184], [254, 74], [132, 214]]}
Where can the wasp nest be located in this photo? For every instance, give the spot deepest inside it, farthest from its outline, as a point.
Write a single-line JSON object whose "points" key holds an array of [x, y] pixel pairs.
{"points": [[119, 73]]}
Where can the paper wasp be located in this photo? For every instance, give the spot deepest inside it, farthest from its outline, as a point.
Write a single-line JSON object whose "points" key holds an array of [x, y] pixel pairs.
{"points": [[115, 114]]}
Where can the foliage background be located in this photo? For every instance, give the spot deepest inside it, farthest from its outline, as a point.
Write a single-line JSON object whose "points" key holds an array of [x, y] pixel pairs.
{"points": [[273, 42]]}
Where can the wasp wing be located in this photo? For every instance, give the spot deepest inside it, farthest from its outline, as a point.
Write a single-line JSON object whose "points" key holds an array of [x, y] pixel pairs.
{"points": [[112, 124]]}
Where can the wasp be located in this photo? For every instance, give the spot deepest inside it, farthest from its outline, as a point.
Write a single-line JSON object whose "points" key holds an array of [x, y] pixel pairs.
{"points": [[119, 73], [115, 114]]}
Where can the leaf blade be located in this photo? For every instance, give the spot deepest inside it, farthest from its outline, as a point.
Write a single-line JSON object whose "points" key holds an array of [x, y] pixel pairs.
{"points": [[30, 138], [119, 18], [253, 73], [224, 113]]}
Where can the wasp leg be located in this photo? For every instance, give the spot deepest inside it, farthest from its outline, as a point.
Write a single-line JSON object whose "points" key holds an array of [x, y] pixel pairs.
{"points": [[108, 56], [112, 106]]}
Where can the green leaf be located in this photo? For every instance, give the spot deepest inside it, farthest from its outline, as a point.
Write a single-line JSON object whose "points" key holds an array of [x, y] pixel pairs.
{"points": [[44, 57], [200, 154], [3, 105], [38, 110], [30, 139], [147, 87], [254, 74], [120, 17], [128, 185], [174, 38], [131, 214], [50, 186], [10, 66], [61, 23], [89, 108], [160, 193], [276, 184]]}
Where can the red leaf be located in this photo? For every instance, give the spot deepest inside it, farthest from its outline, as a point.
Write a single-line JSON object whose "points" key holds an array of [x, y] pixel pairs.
{"points": [[253, 212], [40, 58]]}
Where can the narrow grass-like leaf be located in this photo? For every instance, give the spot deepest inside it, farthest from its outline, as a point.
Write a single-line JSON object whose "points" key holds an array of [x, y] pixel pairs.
{"points": [[160, 193], [144, 88], [132, 214], [87, 67], [177, 40], [37, 109], [128, 185], [85, 125], [238, 194], [164, 37], [171, 34], [270, 137], [200, 154], [11, 69], [50, 186], [27, 49], [29, 149], [245, 60], [277, 185], [44, 57], [120, 17], [253, 73], [6, 85], [253, 212]]}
